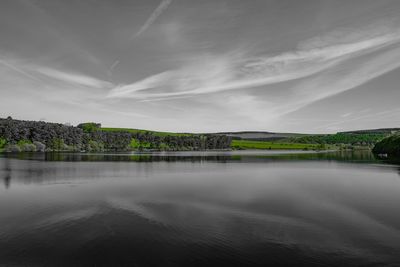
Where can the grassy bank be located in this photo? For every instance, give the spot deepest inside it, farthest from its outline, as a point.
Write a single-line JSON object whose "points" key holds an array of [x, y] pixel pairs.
{"points": [[246, 144], [129, 130]]}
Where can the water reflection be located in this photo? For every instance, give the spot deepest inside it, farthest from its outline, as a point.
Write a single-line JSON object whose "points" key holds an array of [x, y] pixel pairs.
{"points": [[41, 168], [199, 156], [6, 173], [200, 209]]}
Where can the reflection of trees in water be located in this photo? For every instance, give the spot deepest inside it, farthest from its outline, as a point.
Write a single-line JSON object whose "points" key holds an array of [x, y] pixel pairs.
{"points": [[395, 161], [7, 173], [36, 167], [356, 156], [31, 169], [122, 157], [223, 156]]}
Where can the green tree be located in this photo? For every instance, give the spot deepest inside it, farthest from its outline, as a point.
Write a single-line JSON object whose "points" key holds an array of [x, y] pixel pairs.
{"points": [[89, 127]]}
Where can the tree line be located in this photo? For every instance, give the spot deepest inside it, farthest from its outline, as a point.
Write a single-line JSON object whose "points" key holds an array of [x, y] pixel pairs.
{"points": [[358, 139], [21, 135], [389, 146]]}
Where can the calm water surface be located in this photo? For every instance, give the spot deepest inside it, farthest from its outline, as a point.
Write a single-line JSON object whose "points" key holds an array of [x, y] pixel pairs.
{"points": [[199, 209]]}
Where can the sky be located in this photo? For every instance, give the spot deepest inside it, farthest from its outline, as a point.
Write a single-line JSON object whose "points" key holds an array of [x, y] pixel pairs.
{"points": [[310, 66]]}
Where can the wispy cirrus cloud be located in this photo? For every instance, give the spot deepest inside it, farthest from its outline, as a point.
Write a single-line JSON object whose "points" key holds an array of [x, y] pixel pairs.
{"points": [[340, 80], [16, 68], [41, 74], [156, 13], [232, 71], [74, 78], [209, 66]]}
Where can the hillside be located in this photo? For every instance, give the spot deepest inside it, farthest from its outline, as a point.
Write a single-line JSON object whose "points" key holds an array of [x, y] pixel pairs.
{"points": [[366, 138], [350, 139], [141, 131], [31, 136], [260, 135], [389, 146], [374, 131], [268, 145], [19, 135]]}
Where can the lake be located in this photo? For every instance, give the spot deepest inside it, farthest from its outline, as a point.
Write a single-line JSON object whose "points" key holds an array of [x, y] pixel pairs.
{"points": [[242, 208]]}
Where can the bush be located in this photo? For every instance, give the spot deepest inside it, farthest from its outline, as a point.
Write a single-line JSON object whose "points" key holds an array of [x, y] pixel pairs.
{"points": [[40, 147], [134, 144], [57, 144], [3, 143], [28, 147], [389, 146], [94, 146], [89, 127], [13, 148]]}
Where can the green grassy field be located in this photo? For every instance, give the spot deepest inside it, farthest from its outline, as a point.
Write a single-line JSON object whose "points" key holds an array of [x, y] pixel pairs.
{"points": [[236, 144], [106, 129], [246, 144]]}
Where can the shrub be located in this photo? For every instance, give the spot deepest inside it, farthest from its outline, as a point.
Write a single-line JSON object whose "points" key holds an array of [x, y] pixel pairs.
{"points": [[89, 127], [94, 146], [57, 144], [134, 144], [3, 143], [389, 145], [13, 148], [23, 142], [28, 147], [40, 147]]}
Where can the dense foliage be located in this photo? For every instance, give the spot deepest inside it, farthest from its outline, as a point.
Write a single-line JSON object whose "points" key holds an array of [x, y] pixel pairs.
{"points": [[89, 127], [18, 135], [106, 141], [179, 142], [389, 146], [52, 135], [386, 131], [3, 142], [251, 144], [362, 139]]}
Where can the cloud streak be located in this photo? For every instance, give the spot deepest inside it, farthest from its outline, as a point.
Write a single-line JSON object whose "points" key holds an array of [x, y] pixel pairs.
{"points": [[216, 73], [338, 81], [13, 67], [153, 17], [212, 66], [74, 78], [114, 64], [41, 74]]}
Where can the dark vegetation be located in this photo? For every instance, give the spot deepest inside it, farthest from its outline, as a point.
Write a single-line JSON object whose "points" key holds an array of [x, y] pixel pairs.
{"points": [[260, 136], [342, 140], [389, 146], [19, 135], [375, 131], [255, 144], [364, 139], [354, 139]]}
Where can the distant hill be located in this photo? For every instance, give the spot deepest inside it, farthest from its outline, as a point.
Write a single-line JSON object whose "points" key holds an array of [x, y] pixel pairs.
{"points": [[53, 136], [260, 135], [367, 137], [374, 131]]}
